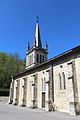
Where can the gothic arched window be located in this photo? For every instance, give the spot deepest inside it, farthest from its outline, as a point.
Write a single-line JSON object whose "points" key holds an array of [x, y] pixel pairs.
{"points": [[43, 58], [37, 58], [60, 82], [43, 80], [40, 58], [32, 58], [64, 81]]}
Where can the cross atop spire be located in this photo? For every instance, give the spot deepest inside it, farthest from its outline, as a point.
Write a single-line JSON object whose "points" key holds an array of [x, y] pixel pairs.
{"points": [[37, 18], [37, 38]]}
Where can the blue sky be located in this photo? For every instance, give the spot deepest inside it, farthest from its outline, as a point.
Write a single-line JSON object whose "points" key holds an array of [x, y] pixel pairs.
{"points": [[59, 24]]}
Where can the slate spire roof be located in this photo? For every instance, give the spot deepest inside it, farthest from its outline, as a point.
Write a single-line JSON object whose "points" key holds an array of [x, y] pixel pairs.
{"points": [[37, 38]]}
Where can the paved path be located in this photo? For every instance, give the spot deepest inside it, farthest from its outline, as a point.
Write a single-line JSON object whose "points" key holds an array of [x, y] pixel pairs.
{"points": [[10, 112]]}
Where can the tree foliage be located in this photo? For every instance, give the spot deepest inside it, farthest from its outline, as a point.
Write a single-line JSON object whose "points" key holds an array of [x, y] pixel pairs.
{"points": [[10, 65]]}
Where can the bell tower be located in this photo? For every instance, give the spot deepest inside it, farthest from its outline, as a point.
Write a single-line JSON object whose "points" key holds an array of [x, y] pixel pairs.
{"points": [[36, 54]]}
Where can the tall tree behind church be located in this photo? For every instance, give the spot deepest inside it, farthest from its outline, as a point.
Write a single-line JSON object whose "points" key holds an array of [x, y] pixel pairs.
{"points": [[10, 64]]}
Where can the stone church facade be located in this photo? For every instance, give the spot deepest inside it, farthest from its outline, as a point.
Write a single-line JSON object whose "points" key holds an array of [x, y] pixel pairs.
{"points": [[50, 84]]}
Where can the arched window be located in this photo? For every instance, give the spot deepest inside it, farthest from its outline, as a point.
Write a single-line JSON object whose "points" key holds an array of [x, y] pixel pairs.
{"points": [[64, 81], [43, 80], [44, 84], [43, 58], [40, 58], [32, 58], [37, 58], [60, 82]]}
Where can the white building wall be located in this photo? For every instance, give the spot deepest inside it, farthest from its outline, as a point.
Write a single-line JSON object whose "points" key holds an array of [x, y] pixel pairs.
{"points": [[20, 93], [41, 75], [14, 95], [29, 93], [77, 65], [62, 97]]}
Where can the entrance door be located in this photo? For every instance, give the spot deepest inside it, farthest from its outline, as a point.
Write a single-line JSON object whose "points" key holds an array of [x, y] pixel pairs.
{"points": [[43, 100]]}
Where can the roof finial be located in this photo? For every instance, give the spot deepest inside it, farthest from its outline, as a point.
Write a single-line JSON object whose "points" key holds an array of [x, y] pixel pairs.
{"points": [[46, 45], [37, 18], [28, 45]]}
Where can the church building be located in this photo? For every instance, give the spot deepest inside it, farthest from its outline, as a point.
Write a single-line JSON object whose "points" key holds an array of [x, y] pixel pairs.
{"points": [[49, 84]]}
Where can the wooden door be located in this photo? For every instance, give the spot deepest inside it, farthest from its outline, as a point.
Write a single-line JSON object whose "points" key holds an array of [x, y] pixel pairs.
{"points": [[43, 100]]}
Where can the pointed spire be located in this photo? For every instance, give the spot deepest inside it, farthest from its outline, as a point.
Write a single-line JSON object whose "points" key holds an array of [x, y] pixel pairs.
{"points": [[37, 39]]}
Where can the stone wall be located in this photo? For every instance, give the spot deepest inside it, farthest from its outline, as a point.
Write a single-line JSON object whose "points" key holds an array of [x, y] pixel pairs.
{"points": [[65, 99]]}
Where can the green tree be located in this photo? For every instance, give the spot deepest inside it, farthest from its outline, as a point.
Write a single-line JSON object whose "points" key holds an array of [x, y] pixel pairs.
{"points": [[10, 65]]}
